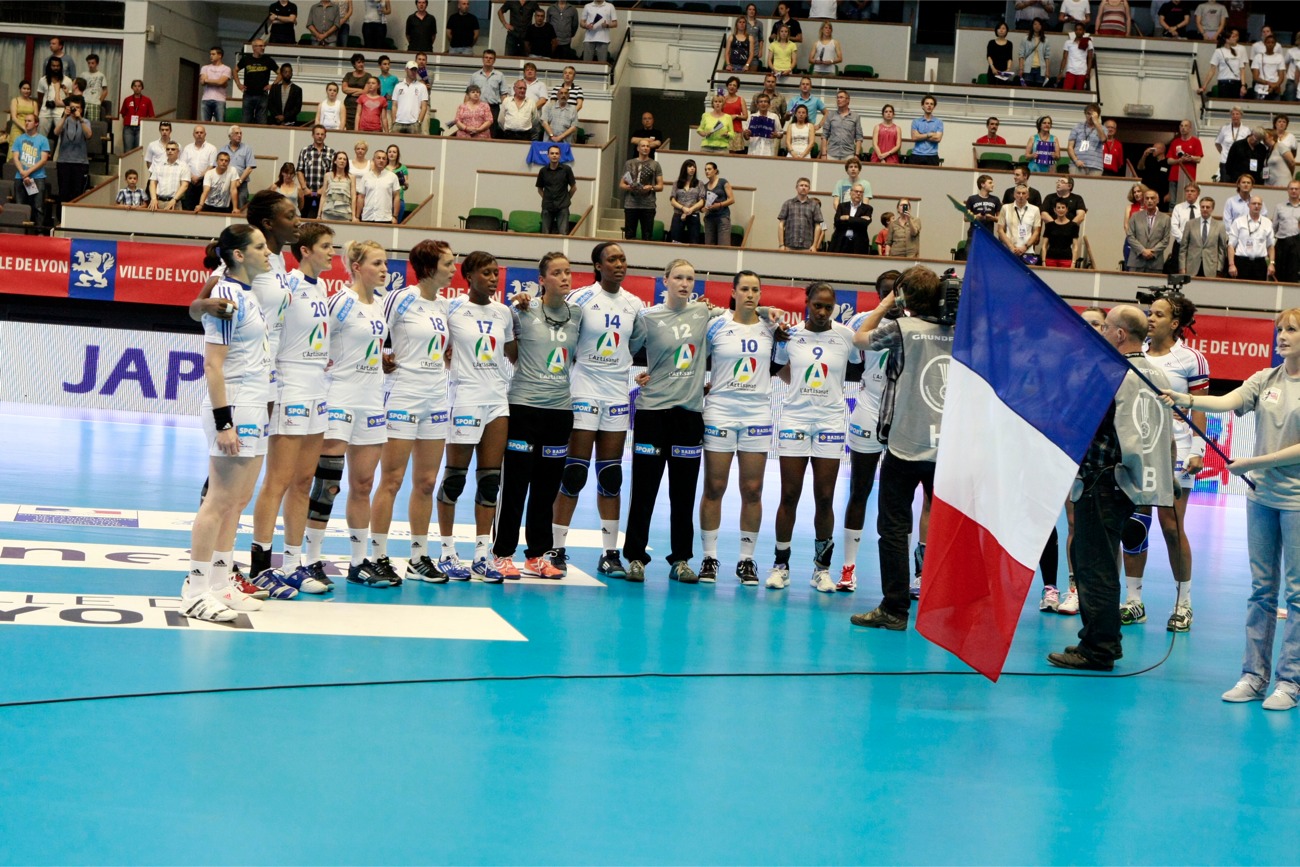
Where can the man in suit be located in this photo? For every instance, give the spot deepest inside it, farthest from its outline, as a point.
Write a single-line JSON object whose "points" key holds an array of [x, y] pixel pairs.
{"points": [[1148, 236], [853, 224], [1205, 244], [285, 99]]}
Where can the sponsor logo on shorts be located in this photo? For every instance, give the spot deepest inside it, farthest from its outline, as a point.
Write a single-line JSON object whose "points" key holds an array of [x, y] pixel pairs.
{"points": [[296, 410], [586, 406], [618, 409], [518, 446], [439, 416], [400, 415], [340, 415], [759, 430], [375, 420], [644, 449], [322, 408], [466, 421], [248, 430], [858, 430], [790, 435], [830, 438], [687, 451], [555, 451], [712, 431]]}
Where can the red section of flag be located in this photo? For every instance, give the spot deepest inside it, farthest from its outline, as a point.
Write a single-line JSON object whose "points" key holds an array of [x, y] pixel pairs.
{"points": [[33, 265]]}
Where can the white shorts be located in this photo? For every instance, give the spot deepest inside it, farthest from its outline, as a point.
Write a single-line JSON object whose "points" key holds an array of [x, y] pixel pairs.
{"points": [[416, 418], [730, 436], [796, 440], [1187, 481], [299, 417], [251, 426], [862, 432], [468, 422], [590, 413], [357, 427]]}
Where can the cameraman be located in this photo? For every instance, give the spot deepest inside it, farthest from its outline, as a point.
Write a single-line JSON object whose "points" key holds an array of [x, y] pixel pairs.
{"points": [[911, 411]]}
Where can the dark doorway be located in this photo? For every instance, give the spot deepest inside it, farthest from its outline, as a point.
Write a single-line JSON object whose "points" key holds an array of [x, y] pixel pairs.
{"points": [[187, 91], [676, 113]]}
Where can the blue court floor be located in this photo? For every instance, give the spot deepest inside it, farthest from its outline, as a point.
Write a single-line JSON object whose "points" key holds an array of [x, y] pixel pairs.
{"points": [[920, 763]]}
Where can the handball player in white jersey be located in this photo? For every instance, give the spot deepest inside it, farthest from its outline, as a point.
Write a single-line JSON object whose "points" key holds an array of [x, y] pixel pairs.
{"points": [[812, 427], [737, 421], [601, 405], [236, 365], [416, 408], [483, 349]]}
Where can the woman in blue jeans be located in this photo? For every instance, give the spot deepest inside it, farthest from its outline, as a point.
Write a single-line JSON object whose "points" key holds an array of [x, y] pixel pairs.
{"points": [[1272, 516]]}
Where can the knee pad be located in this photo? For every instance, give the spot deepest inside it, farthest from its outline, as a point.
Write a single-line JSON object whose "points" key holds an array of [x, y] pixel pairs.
{"points": [[453, 484], [574, 477], [488, 485], [325, 487], [609, 478], [1136, 536]]}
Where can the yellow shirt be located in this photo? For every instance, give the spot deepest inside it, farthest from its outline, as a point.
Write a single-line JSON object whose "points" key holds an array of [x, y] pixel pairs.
{"points": [[784, 56]]}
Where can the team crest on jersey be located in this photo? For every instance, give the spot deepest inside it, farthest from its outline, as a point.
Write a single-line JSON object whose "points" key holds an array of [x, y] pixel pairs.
{"points": [[371, 360], [684, 356], [316, 339], [284, 305], [745, 369], [436, 346], [815, 376], [485, 348], [558, 360], [607, 344]]}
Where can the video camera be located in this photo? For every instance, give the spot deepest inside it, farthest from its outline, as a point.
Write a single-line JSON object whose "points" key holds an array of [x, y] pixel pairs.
{"points": [[949, 297], [1173, 286]]}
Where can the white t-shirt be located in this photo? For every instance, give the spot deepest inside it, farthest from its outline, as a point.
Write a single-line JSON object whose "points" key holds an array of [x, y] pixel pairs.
{"points": [[1250, 239], [356, 377], [822, 9], [598, 13], [479, 334], [873, 374], [741, 379], [407, 99], [1229, 62], [1076, 9], [304, 341], [218, 184], [1268, 69], [766, 147], [248, 360], [604, 357], [417, 327], [377, 206], [818, 361], [1076, 60]]}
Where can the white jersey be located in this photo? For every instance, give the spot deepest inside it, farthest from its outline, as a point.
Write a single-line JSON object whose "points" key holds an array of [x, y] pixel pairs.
{"points": [[818, 361], [356, 376], [479, 334], [1189, 373], [741, 384], [418, 329], [873, 374], [604, 342], [304, 341], [248, 359], [272, 291]]}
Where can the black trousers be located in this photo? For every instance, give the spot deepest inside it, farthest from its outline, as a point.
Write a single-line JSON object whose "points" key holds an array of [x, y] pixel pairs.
{"points": [[1288, 259], [672, 438], [898, 481], [1099, 518], [373, 34], [538, 443], [74, 179], [1255, 268], [638, 217]]}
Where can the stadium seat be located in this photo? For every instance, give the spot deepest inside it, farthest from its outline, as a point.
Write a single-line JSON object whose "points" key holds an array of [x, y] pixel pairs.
{"points": [[991, 160], [854, 70], [17, 219], [234, 114], [490, 219], [983, 78], [526, 221], [737, 236], [435, 126], [304, 39], [657, 231]]}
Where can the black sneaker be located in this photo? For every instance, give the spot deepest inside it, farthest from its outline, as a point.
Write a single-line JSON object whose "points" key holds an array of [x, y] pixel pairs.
{"points": [[560, 560], [422, 569], [747, 572], [879, 618], [384, 569], [709, 570], [318, 572], [1073, 659], [365, 573], [611, 566]]}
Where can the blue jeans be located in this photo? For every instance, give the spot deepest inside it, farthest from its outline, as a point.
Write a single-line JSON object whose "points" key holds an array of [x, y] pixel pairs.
{"points": [[254, 107], [130, 138], [1274, 539], [214, 111]]}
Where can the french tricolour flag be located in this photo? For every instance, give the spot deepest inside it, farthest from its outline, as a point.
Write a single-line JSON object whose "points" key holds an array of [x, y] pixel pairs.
{"points": [[1029, 383]]}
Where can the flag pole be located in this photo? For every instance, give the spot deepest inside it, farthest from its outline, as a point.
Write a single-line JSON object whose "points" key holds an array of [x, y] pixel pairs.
{"points": [[1186, 417]]}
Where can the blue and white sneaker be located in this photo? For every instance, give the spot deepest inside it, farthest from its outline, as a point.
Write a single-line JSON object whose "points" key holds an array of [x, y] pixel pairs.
{"points": [[304, 579], [453, 568], [486, 570], [272, 581]]}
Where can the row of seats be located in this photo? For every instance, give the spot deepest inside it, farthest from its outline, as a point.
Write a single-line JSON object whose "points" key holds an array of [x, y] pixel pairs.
{"points": [[495, 220]]}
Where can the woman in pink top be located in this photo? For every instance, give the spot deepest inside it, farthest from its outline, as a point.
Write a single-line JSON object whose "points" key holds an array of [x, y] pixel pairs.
{"points": [[885, 139], [734, 105], [1114, 18], [371, 116], [473, 116]]}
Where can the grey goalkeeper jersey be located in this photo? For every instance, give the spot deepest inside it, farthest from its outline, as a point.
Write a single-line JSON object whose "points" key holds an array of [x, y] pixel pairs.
{"points": [[675, 354], [547, 339]]}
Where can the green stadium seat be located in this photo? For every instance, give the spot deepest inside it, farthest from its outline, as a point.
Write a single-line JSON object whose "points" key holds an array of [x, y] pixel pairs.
{"points": [[657, 231], [526, 221]]}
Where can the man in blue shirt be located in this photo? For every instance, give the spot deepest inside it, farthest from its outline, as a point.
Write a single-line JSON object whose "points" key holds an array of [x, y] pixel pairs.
{"points": [[491, 83], [927, 132], [31, 151], [387, 81], [816, 107]]}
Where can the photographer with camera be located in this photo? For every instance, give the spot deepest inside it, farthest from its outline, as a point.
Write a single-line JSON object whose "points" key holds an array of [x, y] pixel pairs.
{"points": [[919, 347], [73, 132]]}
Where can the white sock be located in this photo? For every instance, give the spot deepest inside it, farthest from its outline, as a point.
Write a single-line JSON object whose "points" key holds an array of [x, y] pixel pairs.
{"points": [[709, 538], [481, 544], [559, 534], [448, 546], [379, 544], [219, 577], [1184, 593], [852, 539], [315, 538], [292, 557], [357, 538], [1133, 589], [748, 539], [419, 547], [265, 546], [609, 534], [199, 577]]}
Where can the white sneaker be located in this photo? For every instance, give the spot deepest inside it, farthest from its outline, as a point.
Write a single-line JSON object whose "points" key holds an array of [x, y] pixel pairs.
{"points": [[821, 580], [1069, 602], [1283, 698], [1247, 689], [778, 578], [206, 606], [236, 600]]}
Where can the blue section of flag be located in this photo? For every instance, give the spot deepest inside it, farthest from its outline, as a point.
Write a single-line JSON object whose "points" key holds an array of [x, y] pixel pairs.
{"points": [[521, 280], [846, 304], [1044, 361], [661, 290], [92, 269]]}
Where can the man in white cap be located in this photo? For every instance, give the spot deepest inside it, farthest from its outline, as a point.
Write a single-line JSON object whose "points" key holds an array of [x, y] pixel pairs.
{"points": [[410, 102]]}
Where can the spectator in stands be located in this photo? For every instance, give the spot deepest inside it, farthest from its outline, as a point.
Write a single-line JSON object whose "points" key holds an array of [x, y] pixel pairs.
{"points": [[315, 161], [1210, 18], [536, 90], [852, 175], [374, 23], [733, 105], [904, 239], [323, 22], [155, 153], [687, 200], [1252, 247], [754, 25], [1285, 139], [283, 19], [1292, 80], [886, 138], [338, 194], [168, 181], [1076, 209], [647, 132], [354, 84], [379, 192], [97, 91], [1180, 215], [220, 188], [540, 38], [785, 19], [491, 83], [1077, 60], [1205, 244], [410, 105], [473, 115], [556, 186], [518, 114], [1020, 175], [716, 214], [1114, 18], [330, 111], [58, 52], [800, 135], [776, 101], [825, 56], [213, 78], [135, 108], [1112, 152], [740, 54], [998, 56], [564, 19], [1148, 236], [1042, 150], [345, 22], [853, 224], [372, 109], [242, 163], [1259, 47], [882, 237], [421, 28], [1153, 169], [1020, 224], [822, 9], [983, 207], [816, 107], [1028, 11], [1286, 223], [598, 18], [1184, 153], [198, 157], [799, 223], [403, 177], [764, 130], [1276, 170], [1227, 65], [575, 89], [387, 80], [131, 196], [1072, 11], [1174, 20], [462, 29], [1060, 239], [1238, 206], [25, 104], [559, 119], [1035, 63], [1248, 156], [73, 165], [1085, 142], [285, 103], [927, 132], [991, 136], [422, 67], [1229, 134], [1269, 67], [258, 69], [642, 178], [782, 52], [515, 16], [842, 130]]}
